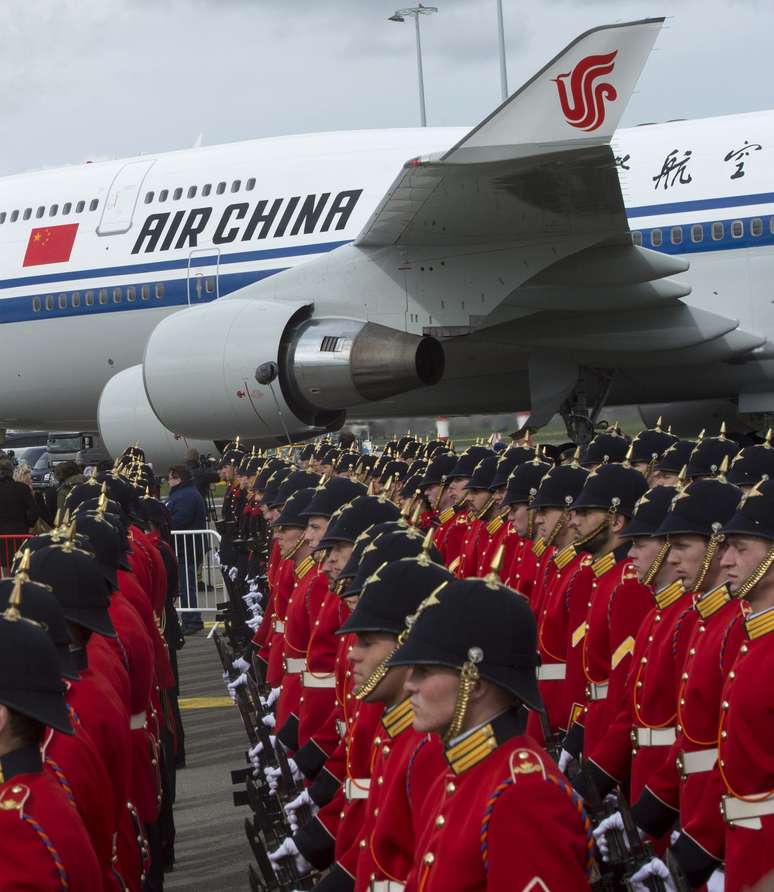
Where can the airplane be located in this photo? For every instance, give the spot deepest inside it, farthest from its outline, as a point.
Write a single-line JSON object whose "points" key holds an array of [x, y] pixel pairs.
{"points": [[273, 287]]}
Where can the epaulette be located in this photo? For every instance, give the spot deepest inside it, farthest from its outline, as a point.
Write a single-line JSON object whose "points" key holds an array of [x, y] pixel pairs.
{"points": [[538, 547], [563, 557], [667, 596], [472, 750], [759, 624], [13, 797], [446, 515], [494, 525], [711, 602], [526, 762], [398, 719], [603, 565], [304, 566]]}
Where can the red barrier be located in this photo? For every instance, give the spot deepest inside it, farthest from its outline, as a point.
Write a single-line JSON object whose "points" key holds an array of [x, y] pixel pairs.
{"points": [[9, 545]]}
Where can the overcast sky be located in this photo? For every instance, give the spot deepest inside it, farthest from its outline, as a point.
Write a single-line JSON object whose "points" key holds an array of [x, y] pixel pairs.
{"points": [[84, 79]]}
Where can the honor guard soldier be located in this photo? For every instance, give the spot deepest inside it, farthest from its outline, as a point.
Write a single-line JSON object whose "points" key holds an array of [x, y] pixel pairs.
{"points": [[648, 447], [752, 464], [435, 490], [450, 536], [473, 657], [709, 453], [668, 468], [607, 446], [43, 842], [599, 516]]}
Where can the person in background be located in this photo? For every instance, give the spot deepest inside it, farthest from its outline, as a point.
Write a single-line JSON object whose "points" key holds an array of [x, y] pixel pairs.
{"points": [[68, 475], [23, 474], [18, 509], [187, 511]]}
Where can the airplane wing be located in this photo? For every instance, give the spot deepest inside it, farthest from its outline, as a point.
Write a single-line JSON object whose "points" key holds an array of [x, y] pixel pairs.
{"points": [[539, 165]]}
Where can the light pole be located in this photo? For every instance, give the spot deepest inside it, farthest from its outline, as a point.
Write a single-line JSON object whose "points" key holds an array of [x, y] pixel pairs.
{"points": [[400, 16], [501, 34]]}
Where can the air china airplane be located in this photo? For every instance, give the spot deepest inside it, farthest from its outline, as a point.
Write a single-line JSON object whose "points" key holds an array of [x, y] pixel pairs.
{"points": [[272, 287]]}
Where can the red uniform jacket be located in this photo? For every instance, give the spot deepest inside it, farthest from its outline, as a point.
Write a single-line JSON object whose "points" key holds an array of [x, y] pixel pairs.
{"points": [[496, 820]]}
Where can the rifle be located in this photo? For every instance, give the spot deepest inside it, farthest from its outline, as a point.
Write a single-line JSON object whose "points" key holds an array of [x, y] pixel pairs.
{"points": [[639, 851]]}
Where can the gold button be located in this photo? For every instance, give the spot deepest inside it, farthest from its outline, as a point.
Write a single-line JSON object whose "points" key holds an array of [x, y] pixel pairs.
{"points": [[732, 674], [450, 788], [702, 628], [639, 684], [386, 750], [380, 780], [440, 821], [644, 660], [376, 811], [378, 741], [692, 651], [744, 648], [682, 701], [657, 618], [429, 858], [16, 789], [724, 704], [650, 637], [724, 734], [685, 676], [362, 843]]}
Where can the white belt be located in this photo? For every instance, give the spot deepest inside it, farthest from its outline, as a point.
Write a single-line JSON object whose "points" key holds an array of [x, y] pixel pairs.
{"points": [[294, 665], [279, 625], [597, 691], [552, 672], [742, 813], [356, 788], [653, 736], [310, 680], [386, 886], [137, 721], [696, 762], [341, 728]]}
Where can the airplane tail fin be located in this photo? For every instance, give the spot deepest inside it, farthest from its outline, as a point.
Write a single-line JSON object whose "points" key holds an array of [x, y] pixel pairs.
{"points": [[577, 98]]}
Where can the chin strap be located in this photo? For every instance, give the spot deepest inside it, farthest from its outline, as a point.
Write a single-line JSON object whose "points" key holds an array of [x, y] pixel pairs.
{"points": [[558, 527], [374, 679], [712, 547], [487, 505], [294, 549], [757, 574], [656, 565], [469, 675]]}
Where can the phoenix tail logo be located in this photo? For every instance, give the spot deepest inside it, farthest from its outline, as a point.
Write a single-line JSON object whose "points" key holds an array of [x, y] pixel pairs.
{"points": [[584, 103]]}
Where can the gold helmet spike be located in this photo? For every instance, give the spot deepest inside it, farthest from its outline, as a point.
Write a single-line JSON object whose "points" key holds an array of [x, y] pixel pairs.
{"points": [[576, 457], [58, 517], [669, 429], [767, 441], [658, 424], [370, 490], [682, 477], [627, 462], [236, 441], [493, 576], [723, 469], [12, 612], [722, 434], [701, 434], [102, 502], [416, 511], [23, 570]]}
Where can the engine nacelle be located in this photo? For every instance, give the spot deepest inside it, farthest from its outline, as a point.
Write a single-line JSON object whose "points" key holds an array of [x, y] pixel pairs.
{"points": [[268, 370], [124, 417]]}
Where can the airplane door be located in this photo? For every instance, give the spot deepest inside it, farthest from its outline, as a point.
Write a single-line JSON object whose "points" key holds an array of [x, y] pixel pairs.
{"points": [[203, 272], [122, 197]]}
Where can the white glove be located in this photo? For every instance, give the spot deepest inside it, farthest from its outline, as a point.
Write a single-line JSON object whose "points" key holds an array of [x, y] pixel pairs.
{"points": [[654, 868], [269, 720], [288, 849], [241, 664], [254, 753], [614, 822], [717, 882], [564, 760], [272, 698], [238, 681], [272, 776], [301, 800], [254, 622], [295, 771], [216, 559], [233, 573]]}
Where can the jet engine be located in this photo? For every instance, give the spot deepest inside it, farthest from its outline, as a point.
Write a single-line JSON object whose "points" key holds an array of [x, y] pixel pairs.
{"points": [[271, 371], [124, 417]]}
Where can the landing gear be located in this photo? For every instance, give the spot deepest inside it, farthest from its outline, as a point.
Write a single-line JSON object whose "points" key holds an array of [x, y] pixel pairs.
{"points": [[582, 408]]}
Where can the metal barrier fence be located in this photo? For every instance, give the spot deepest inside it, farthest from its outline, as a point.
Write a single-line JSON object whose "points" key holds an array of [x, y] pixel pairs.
{"points": [[201, 582], [9, 545]]}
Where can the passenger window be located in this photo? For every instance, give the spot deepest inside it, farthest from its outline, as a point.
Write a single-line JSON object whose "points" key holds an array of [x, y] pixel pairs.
{"points": [[236, 185], [192, 191], [53, 210], [27, 213], [145, 292], [131, 293], [655, 238], [250, 184], [718, 231], [771, 225], [14, 216], [94, 204], [221, 188], [2, 217], [697, 233], [636, 238], [62, 301], [36, 304], [756, 226], [164, 195], [79, 207], [206, 189], [117, 295], [737, 229], [39, 212], [103, 296], [49, 301], [677, 235], [210, 285], [148, 197], [177, 194], [89, 297], [75, 299], [66, 208], [159, 290]]}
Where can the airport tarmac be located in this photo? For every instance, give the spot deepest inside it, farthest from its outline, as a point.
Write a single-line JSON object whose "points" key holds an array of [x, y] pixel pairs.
{"points": [[211, 851]]}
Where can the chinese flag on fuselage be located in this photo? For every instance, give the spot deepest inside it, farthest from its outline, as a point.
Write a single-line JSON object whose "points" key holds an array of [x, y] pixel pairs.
{"points": [[50, 244]]}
